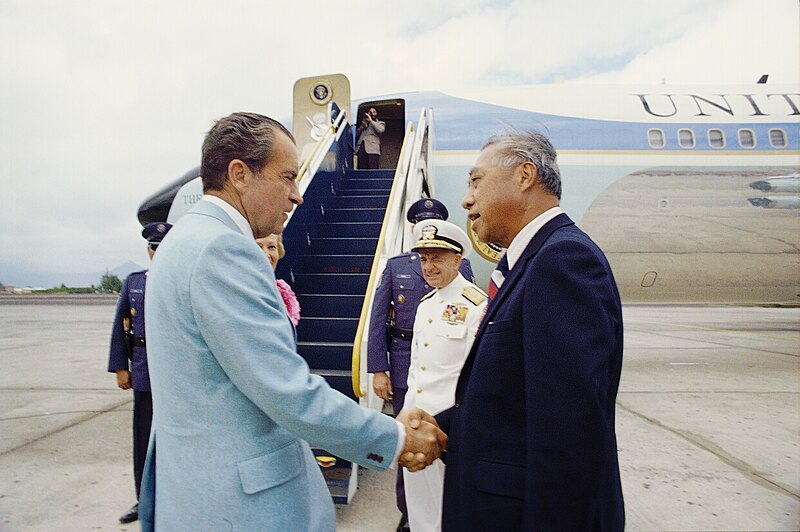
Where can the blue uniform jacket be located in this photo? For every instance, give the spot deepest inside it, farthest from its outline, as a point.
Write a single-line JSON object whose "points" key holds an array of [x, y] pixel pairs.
{"points": [[532, 444], [130, 305], [402, 286]]}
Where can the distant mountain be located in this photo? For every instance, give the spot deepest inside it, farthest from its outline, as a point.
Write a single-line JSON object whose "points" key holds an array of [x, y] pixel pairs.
{"points": [[124, 270], [20, 278]]}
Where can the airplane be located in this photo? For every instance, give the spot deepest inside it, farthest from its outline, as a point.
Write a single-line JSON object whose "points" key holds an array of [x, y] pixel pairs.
{"points": [[691, 191]]}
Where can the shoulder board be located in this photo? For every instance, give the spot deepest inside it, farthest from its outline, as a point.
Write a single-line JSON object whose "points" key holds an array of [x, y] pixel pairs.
{"points": [[426, 296], [474, 295], [140, 272]]}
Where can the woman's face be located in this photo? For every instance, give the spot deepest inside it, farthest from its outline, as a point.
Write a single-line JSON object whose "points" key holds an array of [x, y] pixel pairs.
{"points": [[269, 245]]}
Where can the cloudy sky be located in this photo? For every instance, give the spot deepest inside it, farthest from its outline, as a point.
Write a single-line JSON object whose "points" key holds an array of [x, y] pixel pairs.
{"points": [[105, 101]]}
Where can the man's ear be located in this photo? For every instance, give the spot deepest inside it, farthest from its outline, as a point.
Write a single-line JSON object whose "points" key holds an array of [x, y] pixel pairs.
{"points": [[238, 173], [527, 175]]}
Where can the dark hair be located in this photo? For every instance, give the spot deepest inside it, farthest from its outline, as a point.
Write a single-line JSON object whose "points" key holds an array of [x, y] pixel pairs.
{"points": [[248, 137], [515, 147]]}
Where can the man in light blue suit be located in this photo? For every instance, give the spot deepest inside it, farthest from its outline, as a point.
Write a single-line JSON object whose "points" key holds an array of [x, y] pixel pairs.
{"points": [[235, 406]]}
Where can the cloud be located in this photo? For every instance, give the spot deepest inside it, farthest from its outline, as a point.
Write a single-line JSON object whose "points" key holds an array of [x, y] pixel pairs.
{"points": [[738, 44], [106, 102]]}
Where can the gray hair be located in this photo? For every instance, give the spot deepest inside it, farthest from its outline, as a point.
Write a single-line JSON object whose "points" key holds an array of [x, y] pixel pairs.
{"points": [[248, 137], [515, 147]]}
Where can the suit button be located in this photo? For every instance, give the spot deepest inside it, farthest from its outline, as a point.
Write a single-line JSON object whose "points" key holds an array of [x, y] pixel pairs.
{"points": [[430, 320], [425, 344], [423, 368], [419, 390]]}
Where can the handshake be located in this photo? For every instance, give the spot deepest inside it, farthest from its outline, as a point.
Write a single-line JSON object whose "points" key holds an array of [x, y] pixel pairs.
{"points": [[425, 442]]}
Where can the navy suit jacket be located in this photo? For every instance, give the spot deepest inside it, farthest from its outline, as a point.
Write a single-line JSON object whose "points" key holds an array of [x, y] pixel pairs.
{"points": [[531, 436]]}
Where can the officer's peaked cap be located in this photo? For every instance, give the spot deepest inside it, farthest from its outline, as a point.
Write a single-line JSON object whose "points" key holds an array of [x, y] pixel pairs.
{"points": [[439, 234], [154, 232], [426, 209]]}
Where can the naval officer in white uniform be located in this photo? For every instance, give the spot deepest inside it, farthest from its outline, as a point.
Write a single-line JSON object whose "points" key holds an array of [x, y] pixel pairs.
{"points": [[444, 327]]}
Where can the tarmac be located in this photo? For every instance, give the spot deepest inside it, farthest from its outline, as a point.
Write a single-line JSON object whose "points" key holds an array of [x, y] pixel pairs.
{"points": [[708, 421]]}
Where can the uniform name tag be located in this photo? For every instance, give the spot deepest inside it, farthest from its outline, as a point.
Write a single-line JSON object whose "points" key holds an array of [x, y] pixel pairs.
{"points": [[455, 314]]}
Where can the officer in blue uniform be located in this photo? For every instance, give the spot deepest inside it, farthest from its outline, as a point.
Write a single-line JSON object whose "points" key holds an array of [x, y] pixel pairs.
{"points": [[127, 357], [391, 325]]}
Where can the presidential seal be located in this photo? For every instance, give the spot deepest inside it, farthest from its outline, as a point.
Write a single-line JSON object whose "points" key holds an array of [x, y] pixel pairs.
{"points": [[321, 92], [490, 252]]}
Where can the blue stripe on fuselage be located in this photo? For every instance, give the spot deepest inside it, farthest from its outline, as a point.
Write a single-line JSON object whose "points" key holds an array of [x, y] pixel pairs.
{"points": [[462, 124]]}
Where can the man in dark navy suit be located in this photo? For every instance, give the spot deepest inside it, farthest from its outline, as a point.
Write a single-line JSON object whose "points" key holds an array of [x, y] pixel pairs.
{"points": [[127, 358], [397, 297], [532, 444]]}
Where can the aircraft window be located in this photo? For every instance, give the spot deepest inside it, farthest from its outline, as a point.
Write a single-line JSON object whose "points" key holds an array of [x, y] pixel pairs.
{"points": [[777, 137], [656, 138], [686, 138], [716, 138], [747, 139]]}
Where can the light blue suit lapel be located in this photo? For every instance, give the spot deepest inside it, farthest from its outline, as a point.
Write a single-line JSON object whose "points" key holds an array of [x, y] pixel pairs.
{"points": [[206, 208]]}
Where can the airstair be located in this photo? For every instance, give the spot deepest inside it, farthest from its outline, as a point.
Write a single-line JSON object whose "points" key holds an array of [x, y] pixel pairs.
{"points": [[337, 243]]}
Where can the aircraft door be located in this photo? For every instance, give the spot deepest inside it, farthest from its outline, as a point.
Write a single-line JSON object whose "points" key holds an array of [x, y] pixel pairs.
{"points": [[310, 118], [393, 113]]}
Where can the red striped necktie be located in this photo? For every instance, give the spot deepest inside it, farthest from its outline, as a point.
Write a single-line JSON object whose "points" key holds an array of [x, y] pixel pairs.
{"points": [[498, 276]]}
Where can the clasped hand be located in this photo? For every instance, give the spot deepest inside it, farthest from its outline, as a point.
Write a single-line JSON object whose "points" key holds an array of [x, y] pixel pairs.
{"points": [[425, 441]]}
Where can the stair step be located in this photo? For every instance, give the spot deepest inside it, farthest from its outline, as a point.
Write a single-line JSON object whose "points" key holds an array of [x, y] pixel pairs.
{"points": [[337, 264], [366, 183], [343, 383], [362, 191], [356, 202], [327, 329], [370, 174], [349, 229], [354, 215], [327, 355], [326, 246], [330, 283], [331, 305]]}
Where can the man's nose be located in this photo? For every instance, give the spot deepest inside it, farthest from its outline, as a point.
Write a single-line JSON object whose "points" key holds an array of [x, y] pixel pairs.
{"points": [[295, 196], [467, 200]]}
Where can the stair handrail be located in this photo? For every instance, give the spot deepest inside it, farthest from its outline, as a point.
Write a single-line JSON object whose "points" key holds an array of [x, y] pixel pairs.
{"points": [[389, 244], [311, 164], [418, 169]]}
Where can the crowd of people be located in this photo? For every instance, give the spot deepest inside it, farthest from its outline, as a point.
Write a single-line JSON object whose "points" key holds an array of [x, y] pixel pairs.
{"points": [[503, 399]]}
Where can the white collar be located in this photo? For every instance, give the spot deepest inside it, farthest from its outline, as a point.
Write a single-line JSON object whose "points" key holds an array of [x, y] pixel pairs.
{"points": [[236, 216], [453, 288], [525, 236]]}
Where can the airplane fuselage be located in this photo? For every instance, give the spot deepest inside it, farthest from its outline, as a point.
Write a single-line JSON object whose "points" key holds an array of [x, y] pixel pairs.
{"points": [[663, 178]]}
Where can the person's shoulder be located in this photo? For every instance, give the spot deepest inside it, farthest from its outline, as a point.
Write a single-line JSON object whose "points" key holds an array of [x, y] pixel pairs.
{"points": [[427, 296], [402, 258], [134, 275], [473, 294]]}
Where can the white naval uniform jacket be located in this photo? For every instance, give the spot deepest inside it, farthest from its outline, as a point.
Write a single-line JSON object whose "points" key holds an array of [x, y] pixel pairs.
{"points": [[444, 328]]}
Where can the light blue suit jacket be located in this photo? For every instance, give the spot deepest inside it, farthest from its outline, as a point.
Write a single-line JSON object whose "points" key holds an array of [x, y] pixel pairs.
{"points": [[234, 404]]}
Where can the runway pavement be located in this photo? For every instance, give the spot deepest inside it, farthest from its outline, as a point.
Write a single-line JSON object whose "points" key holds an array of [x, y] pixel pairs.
{"points": [[708, 422]]}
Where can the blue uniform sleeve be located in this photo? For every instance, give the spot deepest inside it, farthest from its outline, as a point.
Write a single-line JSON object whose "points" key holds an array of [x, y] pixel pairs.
{"points": [[117, 352], [466, 270], [377, 347]]}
